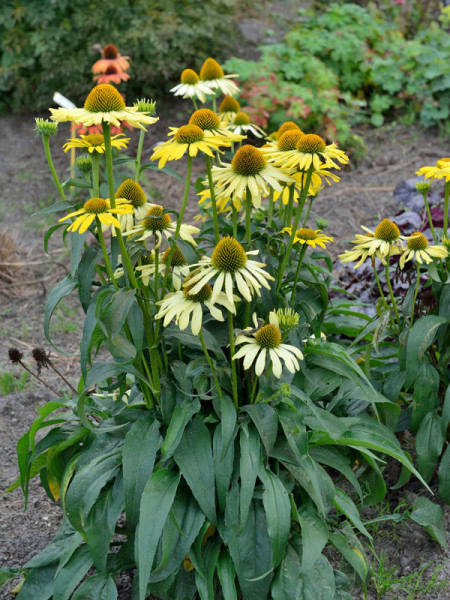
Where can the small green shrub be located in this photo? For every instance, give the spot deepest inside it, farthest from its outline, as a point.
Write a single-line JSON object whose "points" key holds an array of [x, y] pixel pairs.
{"points": [[48, 46], [346, 66], [9, 383]]}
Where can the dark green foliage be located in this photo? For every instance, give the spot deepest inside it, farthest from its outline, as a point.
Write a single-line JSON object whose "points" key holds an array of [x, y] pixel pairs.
{"points": [[48, 46]]}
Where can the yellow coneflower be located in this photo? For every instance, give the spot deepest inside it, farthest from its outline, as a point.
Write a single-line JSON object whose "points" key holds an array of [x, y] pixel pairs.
{"points": [[133, 192], [439, 171], [101, 208], [249, 169], [210, 123], [186, 308], [191, 86], [156, 223], [178, 266], [228, 109], [212, 74], [311, 237], [230, 266], [310, 150], [266, 343], [104, 104], [242, 125], [95, 142], [384, 242], [190, 139], [417, 247]]}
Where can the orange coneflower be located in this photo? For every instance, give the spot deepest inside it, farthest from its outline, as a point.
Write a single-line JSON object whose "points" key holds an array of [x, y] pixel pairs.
{"points": [[111, 75], [111, 57]]}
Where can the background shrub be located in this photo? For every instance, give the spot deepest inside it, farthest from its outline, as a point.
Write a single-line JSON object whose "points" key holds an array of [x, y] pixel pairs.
{"points": [[47, 46], [349, 65]]}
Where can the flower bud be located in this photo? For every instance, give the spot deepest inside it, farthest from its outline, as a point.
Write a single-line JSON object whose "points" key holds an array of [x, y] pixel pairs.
{"points": [[423, 186], [144, 105], [84, 163], [45, 127]]}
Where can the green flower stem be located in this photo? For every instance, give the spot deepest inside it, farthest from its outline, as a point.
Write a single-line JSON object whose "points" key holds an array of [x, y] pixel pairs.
{"points": [[252, 397], [156, 273], [290, 206], [210, 363], [447, 194], [137, 172], [248, 220], [95, 164], [301, 255], [307, 212], [427, 206], [179, 222], [194, 101], [46, 142], [105, 254], [234, 213], [391, 293], [214, 102], [298, 214], [128, 267], [416, 291], [270, 211], [233, 363], [213, 199], [380, 289]]}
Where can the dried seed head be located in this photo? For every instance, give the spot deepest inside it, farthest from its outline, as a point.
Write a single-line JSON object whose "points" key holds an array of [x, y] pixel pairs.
{"points": [[15, 356]]}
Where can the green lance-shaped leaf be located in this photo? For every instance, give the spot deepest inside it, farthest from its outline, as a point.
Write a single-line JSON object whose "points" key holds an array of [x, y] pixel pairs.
{"points": [[62, 289], [85, 274], [444, 476], [39, 584], [278, 513], [336, 460], [139, 453], [70, 575], [287, 584], [227, 575], [314, 535], [181, 528], [228, 419], [248, 469], [97, 587], [265, 419], [345, 504], [249, 547], [429, 444], [180, 418], [318, 583], [195, 460], [101, 522], [431, 517], [223, 467], [156, 502], [420, 336]]}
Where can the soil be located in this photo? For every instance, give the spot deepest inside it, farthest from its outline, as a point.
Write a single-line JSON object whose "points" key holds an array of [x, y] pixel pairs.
{"points": [[27, 274]]}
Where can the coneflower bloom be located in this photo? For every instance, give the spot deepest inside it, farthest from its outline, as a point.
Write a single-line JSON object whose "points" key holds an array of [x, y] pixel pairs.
{"points": [[111, 57], [133, 192], [417, 247], [95, 142], [212, 74], [230, 266], [156, 223], [190, 139], [111, 75], [101, 208], [310, 237], [104, 104], [439, 171], [191, 86], [384, 242], [242, 125], [228, 109], [210, 123]]}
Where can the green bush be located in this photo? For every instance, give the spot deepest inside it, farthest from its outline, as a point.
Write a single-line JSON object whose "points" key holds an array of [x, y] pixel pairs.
{"points": [[349, 65], [47, 46]]}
